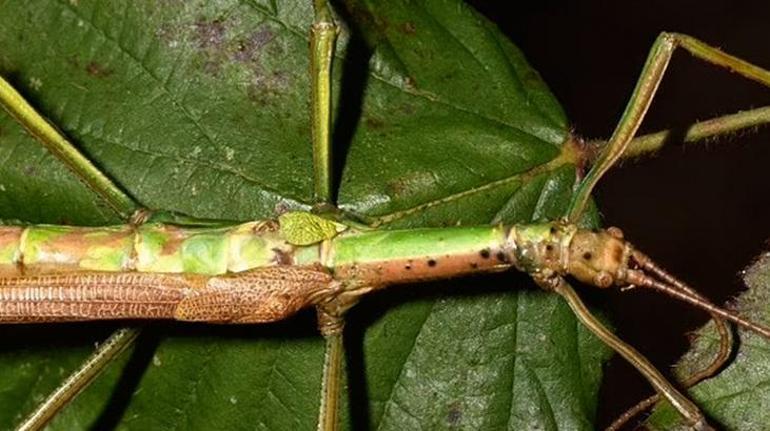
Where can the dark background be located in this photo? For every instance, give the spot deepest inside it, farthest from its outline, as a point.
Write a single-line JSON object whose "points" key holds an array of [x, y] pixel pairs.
{"points": [[703, 211]]}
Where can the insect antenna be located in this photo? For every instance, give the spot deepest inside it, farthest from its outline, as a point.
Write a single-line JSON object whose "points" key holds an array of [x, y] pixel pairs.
{"points": [[670, 285], [725, 343]]}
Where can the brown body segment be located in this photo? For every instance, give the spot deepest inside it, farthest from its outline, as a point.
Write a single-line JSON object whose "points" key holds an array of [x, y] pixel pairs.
{"points": [[436, 267], [260, 295], [90, 296]]}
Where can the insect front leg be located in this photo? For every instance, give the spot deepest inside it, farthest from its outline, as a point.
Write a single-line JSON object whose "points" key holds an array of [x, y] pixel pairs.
{"points": [[680, 402]]}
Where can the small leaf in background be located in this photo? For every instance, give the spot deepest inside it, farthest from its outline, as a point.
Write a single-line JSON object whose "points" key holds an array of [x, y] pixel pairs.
{"points": [[738, 397]]}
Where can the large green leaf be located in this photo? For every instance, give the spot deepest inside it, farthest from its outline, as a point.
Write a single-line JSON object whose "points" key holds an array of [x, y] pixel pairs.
{"points": [[201, 107], [737, 398]]}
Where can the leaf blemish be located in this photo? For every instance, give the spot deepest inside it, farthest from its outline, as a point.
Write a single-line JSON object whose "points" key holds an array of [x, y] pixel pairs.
{"points": [[250, 48], [411, 183], [210, 34], [97, 70], [374, 123], [455, 415]]}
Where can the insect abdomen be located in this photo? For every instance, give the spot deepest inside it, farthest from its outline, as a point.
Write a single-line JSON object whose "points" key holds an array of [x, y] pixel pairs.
{"points": [[151, 247], [89, 296]]}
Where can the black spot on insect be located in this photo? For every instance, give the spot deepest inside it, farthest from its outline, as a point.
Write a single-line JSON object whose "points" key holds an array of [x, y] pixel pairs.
{"points": [[484, 253], [408, 267], [502, 257], [474, 265], [549, 247], [553, 230], [432, 263], [587, 255]]}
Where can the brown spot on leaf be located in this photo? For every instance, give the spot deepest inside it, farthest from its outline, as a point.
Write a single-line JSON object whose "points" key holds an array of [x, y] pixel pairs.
{"points": [[265, 88], [374, 123], [411, 183], [407, 109], [210, 34], [409, 28], [97, 70], [249, 49], [410, 84], [454, 415]]}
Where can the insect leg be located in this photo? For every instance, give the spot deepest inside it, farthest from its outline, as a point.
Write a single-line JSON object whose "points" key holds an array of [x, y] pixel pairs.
{"points": [[87, 372], [120, 201], [328, 415], [680, 402], [15, 104], [651, 76], [323, 35], [641, 98]]}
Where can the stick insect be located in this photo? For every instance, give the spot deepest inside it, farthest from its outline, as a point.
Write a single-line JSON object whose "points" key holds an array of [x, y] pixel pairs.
{"points": [[209, 32]]}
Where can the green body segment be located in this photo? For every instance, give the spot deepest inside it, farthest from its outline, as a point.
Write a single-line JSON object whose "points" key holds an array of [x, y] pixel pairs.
{"points": [[372, 257], [155, 248], [427, 243], [401, 256]]}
